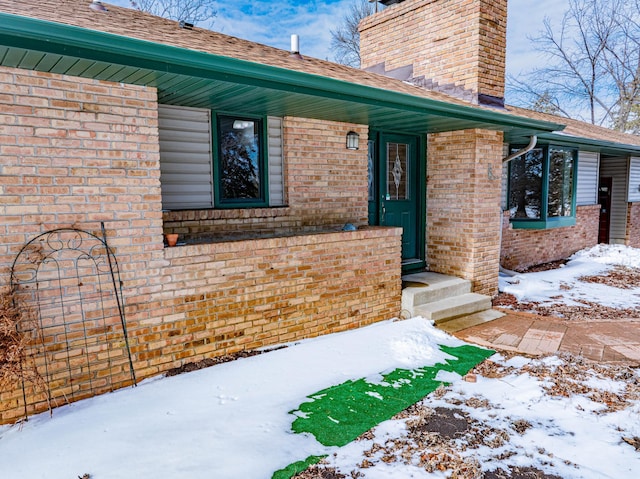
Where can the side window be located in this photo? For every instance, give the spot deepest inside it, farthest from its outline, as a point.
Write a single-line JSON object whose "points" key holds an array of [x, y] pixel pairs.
{"points": [[542, 188], [525, 185], [560, 196], [240, 161]]}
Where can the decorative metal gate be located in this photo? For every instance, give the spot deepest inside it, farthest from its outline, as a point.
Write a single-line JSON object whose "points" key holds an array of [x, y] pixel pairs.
{"points": [[70, 282]]}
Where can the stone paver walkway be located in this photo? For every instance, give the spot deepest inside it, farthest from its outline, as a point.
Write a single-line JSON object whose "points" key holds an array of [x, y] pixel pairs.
{"points": [[530, 334]]}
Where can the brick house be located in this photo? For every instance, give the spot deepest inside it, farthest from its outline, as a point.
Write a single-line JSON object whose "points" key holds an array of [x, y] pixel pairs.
{"points": [[257, 157], [458, 47], [603, 205]]}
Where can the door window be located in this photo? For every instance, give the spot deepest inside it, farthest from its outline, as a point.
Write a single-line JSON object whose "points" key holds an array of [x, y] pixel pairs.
{"points": [[397, 171]]}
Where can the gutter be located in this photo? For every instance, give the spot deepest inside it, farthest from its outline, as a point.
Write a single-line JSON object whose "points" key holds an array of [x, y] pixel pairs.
{"points": [[26, 33]]}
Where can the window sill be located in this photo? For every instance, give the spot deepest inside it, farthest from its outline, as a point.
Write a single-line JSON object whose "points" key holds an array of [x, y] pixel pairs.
{"points": [[239, 205], [547, 224]]}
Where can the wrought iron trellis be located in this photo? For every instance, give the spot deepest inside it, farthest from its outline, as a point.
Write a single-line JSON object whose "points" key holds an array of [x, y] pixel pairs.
{"points": [[70, 280]]}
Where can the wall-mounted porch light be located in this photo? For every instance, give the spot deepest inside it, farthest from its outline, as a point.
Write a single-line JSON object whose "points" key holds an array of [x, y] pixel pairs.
{"points": [[353, 140]]}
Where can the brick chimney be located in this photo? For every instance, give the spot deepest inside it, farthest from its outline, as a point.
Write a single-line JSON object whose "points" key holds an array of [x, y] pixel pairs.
{"points": [[454, 46]]}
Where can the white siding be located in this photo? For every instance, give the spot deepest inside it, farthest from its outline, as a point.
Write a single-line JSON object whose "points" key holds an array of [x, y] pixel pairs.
{"points": [[185, 157], [588, 164], [275, 154], [634, 180], [617, 169]]}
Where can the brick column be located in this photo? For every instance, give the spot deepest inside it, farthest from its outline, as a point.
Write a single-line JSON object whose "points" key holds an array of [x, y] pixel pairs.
{"points": [[633, 225], [463, 206]]}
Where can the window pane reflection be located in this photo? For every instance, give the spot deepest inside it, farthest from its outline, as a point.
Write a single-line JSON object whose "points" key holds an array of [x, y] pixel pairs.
{"points": [[525, 185], [239, 158], [560, 183]]}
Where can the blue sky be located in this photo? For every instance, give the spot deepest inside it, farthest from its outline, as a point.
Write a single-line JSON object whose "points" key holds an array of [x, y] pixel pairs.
{"points": [[272, 23]]}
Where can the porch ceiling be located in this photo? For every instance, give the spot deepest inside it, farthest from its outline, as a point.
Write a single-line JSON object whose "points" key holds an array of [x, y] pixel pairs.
{"points": [[193, 78]]}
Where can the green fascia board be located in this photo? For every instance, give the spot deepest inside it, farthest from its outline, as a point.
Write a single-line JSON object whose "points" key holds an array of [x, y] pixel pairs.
{"points": [[590, 144], [66, 40]]}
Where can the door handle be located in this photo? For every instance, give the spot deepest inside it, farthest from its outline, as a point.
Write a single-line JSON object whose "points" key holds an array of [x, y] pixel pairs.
{"points": [[384, 210]]}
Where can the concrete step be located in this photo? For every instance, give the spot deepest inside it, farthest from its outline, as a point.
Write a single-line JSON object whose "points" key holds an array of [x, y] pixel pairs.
{"points": [[470, 320], [427, 287], [454, 307]]}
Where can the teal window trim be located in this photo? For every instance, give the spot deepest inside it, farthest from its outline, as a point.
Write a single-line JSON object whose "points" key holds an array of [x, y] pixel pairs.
{"points": [[549, 223], [545, 221], [262, 201]]}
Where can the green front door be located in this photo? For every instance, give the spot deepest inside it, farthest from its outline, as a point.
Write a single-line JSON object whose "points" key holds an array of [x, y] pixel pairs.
{"points": [[398, 199]]}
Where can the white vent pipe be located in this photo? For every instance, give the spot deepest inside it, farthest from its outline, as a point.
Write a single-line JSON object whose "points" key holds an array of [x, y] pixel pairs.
{"points": [[295, 44]]}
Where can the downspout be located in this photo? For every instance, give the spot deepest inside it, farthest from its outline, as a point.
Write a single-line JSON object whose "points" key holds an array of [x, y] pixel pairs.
{"points": [[507, 159], [524, 151]]}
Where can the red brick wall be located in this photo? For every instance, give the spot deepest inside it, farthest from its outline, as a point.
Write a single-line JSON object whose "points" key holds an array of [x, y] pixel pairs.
{"points": [[463, 206], [76, 152], [452, 42], [523, 248], [633, 225]]}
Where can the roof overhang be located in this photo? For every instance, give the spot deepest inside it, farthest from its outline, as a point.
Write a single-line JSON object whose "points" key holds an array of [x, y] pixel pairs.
{"points": [[602, 146], [198, 79]]}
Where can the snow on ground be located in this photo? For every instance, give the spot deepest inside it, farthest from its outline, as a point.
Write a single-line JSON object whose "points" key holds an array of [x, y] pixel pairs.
{"points": [[562, 285], [513, 422], [228, 421], [232, 420]]}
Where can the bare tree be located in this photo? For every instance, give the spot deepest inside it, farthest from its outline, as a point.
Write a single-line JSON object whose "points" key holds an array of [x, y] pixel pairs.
{"points": [[593, 69], [546, 103], [345, 40], [622, 63], [197, 12]]}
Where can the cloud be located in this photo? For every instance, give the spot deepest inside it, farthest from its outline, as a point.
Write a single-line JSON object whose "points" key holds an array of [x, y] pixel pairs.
{"points": [[525, 21], [272, 23]]}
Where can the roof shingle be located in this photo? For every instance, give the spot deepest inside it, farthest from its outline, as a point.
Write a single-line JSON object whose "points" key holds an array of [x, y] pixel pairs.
{"points": [[143, 26], [579, 129]]}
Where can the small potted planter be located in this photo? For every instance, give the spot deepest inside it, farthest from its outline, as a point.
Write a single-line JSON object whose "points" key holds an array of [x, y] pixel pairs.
{"points": [[172, 239]]}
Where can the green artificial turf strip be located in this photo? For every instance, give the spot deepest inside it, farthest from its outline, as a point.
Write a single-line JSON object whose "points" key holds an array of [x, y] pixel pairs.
{"points": [[339, 414], [297, 467]]}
